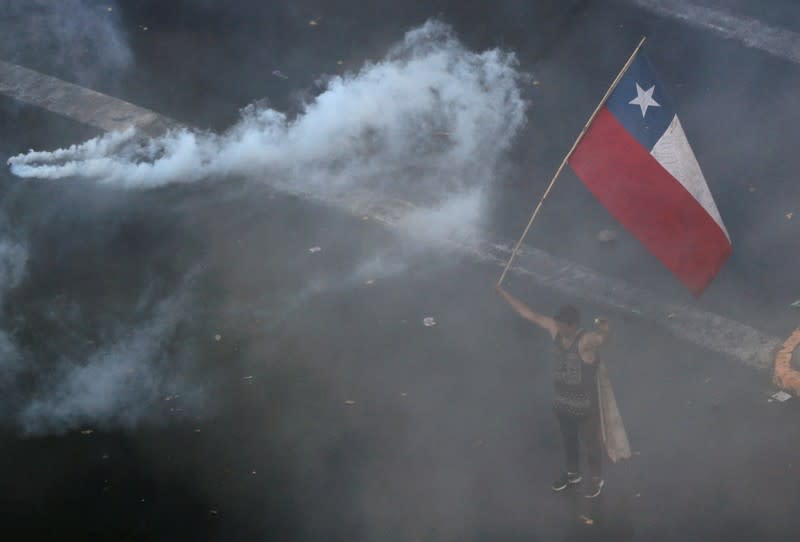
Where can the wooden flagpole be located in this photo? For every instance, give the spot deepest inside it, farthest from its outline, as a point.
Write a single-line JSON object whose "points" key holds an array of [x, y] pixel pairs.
{"points": [[566, 158]]}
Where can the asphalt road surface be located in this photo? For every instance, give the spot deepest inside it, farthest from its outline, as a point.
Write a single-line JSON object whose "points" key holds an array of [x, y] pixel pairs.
{"points": [[304, 397]]}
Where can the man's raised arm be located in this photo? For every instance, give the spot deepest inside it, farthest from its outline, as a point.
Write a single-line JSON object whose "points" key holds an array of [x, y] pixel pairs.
{"points": [[545, 322]]}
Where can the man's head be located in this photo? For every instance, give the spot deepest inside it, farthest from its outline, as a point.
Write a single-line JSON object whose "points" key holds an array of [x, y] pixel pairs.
{"points": [[567, 319]]}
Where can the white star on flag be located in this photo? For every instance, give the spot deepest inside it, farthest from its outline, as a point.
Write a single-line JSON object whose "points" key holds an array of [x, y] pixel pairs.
{"points": [[644, 99]]}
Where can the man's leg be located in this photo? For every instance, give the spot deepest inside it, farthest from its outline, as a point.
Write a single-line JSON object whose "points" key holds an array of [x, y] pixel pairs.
{"points": [[593, 441], [569, 434]]}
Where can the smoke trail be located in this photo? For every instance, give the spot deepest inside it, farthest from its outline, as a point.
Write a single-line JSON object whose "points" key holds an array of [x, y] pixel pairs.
{"points": [[432, 121]]}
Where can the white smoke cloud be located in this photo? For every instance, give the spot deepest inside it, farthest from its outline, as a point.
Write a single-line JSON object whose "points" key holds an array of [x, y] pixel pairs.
{"points": [[431, 122], [114, 386]]}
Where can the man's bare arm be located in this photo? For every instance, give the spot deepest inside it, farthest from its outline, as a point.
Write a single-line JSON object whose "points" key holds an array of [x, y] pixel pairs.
{"points": [[545, 322]]}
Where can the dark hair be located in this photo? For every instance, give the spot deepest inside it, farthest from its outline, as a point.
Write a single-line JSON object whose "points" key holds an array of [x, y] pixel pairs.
{"points": [[568, 315]]}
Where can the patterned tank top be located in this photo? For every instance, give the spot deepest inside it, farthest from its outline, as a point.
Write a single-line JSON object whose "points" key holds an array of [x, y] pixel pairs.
{"points": [[574, 380]]}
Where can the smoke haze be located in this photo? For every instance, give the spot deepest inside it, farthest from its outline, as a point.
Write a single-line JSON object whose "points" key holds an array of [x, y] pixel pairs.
{"points": [[81, 39], [255, 365]]}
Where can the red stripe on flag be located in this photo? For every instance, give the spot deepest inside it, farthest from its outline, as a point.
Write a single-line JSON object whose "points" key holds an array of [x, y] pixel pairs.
{"points": [[647, 200]]}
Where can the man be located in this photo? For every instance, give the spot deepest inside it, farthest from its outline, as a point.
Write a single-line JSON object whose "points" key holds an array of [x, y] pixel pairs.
{"points": [[575, 401]]}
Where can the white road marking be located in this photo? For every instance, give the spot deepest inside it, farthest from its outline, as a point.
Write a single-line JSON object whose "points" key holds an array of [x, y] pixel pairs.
{"points": [[710, 331], [78, 103], [751, 32]]}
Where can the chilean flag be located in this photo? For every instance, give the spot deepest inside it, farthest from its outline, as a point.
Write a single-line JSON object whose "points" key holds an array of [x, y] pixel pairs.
{"points": [[636, 160]]}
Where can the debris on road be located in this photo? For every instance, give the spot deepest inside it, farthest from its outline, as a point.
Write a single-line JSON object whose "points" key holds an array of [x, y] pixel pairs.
{"points": [[249, 377], [314, 250], [795, 304], [370, 282], [87, 431], [781, 396], [212, 512], [586, 520], [314, 22], [428, 321], [670, 316], [349, 402], [789, 215], [217, 337], [606, 236], [279, 74]]}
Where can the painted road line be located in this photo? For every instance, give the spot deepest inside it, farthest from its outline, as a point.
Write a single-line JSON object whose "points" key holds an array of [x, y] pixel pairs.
{"points": [[707, 330], [751, 32], [78, 103]]}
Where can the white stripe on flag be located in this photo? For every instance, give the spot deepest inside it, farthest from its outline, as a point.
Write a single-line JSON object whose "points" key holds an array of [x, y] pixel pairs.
{"points": [[674, 153]]}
